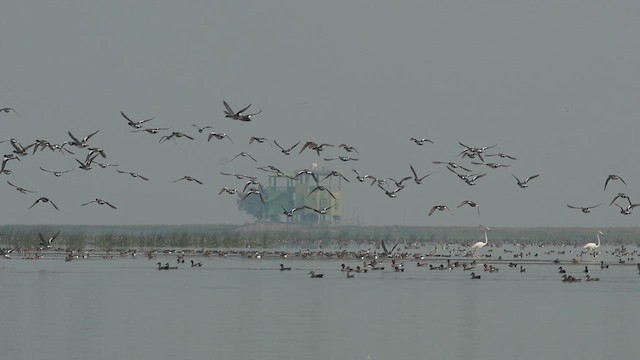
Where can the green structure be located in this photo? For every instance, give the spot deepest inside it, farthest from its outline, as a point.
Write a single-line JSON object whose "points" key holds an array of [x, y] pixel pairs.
{"points": [[291, 193]]}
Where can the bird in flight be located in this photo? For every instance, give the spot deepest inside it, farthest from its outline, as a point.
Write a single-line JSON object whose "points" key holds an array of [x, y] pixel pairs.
{"points": [[47, 243], [20, 189], [243, 154], [439, 208], [201, 129], [8, 109], [240, 115], [417, 179], [525, 183], [100, 202], [472, 204], [188, 178], [286, 151], [420, 142], [584, 209], [133, 174], [44, 200], [613, 177], [135, 124]]}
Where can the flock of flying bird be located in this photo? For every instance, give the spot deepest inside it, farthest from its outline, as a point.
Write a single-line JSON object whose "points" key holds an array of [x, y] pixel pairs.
{"points": [[87, 155]]}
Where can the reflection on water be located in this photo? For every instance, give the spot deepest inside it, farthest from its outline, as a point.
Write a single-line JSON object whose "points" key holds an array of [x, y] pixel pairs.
{"points": [[240, 308]]}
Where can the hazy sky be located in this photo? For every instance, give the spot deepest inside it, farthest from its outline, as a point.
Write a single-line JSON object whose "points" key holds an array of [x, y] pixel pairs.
{"points": [[555, 84]]}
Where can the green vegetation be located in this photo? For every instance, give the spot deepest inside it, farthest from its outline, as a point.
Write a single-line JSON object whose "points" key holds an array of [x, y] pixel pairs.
{"points": [[277, 235]]}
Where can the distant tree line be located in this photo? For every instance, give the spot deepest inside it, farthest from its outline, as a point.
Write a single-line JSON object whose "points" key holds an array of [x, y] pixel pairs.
{"points": [[269, 235]]}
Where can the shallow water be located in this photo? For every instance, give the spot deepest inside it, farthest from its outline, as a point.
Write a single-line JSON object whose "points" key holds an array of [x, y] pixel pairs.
{"points": [[240, 308]]}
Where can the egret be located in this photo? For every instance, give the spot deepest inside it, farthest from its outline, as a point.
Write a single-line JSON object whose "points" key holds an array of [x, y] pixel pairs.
{"points": [[479, 245], [590, 246]]}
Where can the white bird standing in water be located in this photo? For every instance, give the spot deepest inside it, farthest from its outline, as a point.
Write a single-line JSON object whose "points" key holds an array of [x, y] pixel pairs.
{"points": [[590, 246], [479, 245]]}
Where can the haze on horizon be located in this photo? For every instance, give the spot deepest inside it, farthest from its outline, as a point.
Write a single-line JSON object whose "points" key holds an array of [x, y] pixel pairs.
{"points": [[554, 84]]}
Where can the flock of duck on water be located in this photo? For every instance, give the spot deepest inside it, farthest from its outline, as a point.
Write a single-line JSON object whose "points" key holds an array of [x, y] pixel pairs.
{"points": [[87, 155]]}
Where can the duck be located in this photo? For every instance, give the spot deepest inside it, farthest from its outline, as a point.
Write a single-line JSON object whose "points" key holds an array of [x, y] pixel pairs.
{"points": [[584, 209], [259, 140], [80, 143], [166, 266], [218, 136], [589, 278], [100, 202], [133, 174], [135, 124], [613, 177], [283, 268], [288, 150], [44, 200], [474, 276], [421, 141], [452, 165], [8, 109], [561, 270], [19, 188], [472, 204], [439, 208], [416, 178], [239, 115], [314, 275], [195, 264], [56, 173], [47, 243], [188, 178], [201, 129], [525, 183]]}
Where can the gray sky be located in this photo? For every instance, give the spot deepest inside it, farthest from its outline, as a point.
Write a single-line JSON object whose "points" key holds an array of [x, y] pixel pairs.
{"points": [[555, 84]]}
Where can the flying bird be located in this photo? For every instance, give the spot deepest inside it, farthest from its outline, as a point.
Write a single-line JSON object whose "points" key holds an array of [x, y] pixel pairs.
{"points": [[135, 124], [100, 202], [228, 191], [525, 183], [46, 243], [218, 136], [254, 192], [420, 142], [613, 177], [452, 165], [44, 200], [348, 148], [286, 151], [243, 154], [20, 189], [8, 109], [471, 204], [584, 209], [229, 113], [80, 143], [439, 208], [417, 179], [201, 129], [259, 140], [133, 174], [621, 196], [56, 173], [188, 178]]}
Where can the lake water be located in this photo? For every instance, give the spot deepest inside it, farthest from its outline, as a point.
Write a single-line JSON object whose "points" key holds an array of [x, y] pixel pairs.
{"points": [[241, 308]]}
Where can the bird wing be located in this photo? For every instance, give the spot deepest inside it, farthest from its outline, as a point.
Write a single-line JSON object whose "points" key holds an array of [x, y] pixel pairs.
{"points": [[131, 123]]}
